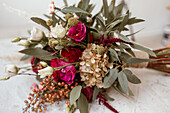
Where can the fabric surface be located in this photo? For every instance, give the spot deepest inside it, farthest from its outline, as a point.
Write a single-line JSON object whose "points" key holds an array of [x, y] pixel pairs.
{"points": [[151, 96]]}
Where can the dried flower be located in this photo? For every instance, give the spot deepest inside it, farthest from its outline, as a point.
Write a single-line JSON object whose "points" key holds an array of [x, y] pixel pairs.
{"points": [[94, 65], [36, 34], [11, 69], [72, 22], [69, 15], [45, 72], [24, 43]]}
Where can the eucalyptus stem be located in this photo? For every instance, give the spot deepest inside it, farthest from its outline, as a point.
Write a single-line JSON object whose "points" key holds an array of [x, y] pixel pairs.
{"points": [[58, 68]]}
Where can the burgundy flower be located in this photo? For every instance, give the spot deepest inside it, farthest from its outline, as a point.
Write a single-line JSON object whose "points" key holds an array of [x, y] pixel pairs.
{"points": [[109, 40], [88, 92], [66, 74], [78, 32], [71, 54], [34, 67]]}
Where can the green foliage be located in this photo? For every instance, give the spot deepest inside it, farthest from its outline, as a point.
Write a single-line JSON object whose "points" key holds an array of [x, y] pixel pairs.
{"points": [[131, 77], [82, 103], [40, 21], [75, 94], [110, 78]]}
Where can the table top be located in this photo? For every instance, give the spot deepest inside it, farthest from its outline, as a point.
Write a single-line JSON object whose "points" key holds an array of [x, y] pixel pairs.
{"points": [[151, 96]]}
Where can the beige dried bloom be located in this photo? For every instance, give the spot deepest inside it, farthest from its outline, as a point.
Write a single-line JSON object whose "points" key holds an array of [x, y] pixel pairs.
{"points": [[94, 65]]}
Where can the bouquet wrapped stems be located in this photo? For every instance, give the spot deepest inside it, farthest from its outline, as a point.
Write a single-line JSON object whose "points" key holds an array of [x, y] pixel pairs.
{"points": [[162, 62]]}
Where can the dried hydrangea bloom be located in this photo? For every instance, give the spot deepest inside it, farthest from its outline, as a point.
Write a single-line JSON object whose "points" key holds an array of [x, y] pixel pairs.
{"points": [[94, 65]]}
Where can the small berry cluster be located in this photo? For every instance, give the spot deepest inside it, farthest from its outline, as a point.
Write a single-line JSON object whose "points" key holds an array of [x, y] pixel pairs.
{"points": [[50, 92]]}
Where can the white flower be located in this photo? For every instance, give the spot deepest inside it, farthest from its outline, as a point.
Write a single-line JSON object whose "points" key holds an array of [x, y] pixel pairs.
{"points": [[45, 72], [24, 43], [36, 34], [58, 31], [44, 64], [11, 69]]}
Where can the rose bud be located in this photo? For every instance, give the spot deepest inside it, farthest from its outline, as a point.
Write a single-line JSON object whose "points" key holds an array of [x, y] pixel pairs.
{"points": [[44, 64], [16, 39], [58, 31], [24, 43], [45, 72], [36, 34], [11, 69]]}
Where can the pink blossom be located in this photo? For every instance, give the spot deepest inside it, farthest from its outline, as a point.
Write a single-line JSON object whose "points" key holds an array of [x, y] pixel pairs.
{"points": [[78, 32], [66, 74]]}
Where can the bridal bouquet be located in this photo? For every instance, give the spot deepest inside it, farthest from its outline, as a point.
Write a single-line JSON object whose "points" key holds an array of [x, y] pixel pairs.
{"points": [[82, 55]]}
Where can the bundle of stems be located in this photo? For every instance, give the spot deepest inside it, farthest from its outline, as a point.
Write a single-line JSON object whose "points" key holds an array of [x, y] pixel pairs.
{"points": [[162, 62]]}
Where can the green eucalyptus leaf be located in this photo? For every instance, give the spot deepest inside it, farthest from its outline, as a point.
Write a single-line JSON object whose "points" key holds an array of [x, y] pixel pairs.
{"points": [[54, 19], [25, 57], [65, 2], [40, 21], [118, 9], [134, 20], [75, 94], [130, 92], [36, 52], [108, 97], [113, 24], [139, 47], [72, 9], [106, 8], [82, 103], [85, 4], [139, 60], [114, 53], [131, 77], [122, 37], [110, 78], [95, 93], [123, 82], [129, 50], [90, 8], [101, 22]]}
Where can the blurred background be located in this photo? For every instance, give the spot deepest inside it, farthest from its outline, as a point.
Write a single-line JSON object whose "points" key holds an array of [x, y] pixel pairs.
{"points": [[15, 16]]}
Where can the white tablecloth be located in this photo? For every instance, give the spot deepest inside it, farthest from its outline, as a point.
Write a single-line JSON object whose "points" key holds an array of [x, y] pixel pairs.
{"points": [[151, 96]]}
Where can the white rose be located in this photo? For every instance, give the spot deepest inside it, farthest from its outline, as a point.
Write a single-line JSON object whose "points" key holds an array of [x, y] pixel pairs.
{"points": [[24, 43], [11, 69], [58, 31], [36, 34], [45, 72]]}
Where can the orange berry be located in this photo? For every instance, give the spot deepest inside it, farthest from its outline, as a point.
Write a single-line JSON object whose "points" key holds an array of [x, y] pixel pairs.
{"points": [[45, 109], [26, 101], [66, 102]]}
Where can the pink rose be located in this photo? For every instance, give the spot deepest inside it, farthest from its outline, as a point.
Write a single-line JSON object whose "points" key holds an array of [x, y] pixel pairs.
{"points": [[66, 74], [71, 54], [78, 32]]}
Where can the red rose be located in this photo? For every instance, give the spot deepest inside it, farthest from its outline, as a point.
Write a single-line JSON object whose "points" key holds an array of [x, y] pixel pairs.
{"points": [[71, 54]]}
